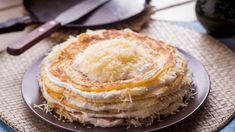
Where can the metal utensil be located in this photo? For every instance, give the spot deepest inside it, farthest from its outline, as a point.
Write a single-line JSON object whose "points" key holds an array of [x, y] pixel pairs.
{"points": [[79, 10]]}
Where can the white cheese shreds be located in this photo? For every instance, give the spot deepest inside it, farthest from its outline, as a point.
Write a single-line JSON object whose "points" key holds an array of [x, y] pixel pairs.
{"points": [[114, 59]]}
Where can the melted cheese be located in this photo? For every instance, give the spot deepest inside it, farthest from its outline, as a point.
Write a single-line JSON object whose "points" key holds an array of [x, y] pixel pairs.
{"points": [[114, 59]]}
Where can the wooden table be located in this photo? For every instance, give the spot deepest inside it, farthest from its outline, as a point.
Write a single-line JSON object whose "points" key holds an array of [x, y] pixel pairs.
{"points": [[172, 10]]}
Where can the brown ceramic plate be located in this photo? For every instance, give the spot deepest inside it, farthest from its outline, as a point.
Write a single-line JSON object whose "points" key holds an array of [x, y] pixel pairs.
{"points": [[32, 95]]}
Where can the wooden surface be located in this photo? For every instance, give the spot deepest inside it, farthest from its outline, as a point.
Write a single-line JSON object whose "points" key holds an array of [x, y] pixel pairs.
{"points": [[173, 10], [7, 4]]}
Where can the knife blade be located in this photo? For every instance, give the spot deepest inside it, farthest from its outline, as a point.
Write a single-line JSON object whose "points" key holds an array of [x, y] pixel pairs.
{"points": [[86, 7], [74, 13]]}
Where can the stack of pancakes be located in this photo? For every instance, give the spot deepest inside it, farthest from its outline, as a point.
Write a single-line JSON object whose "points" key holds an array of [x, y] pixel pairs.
{"points": [[114, 77]]}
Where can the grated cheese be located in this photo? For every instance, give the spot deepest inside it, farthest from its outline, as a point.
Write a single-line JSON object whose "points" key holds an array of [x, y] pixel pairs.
{"points": [[114, 59]]}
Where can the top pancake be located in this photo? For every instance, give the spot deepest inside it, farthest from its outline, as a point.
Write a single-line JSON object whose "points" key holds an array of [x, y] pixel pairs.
{"points": [[61, 61]]}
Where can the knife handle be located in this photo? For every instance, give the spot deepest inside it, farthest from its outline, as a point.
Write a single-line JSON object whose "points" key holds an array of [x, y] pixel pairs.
{"points": [[27, 41]]}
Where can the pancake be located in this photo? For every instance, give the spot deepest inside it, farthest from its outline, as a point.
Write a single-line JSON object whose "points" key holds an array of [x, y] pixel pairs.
{"points": [[106, 78]]}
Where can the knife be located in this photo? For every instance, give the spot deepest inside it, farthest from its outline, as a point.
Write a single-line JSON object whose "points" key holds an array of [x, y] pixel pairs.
{"points": [[79, 10]]}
